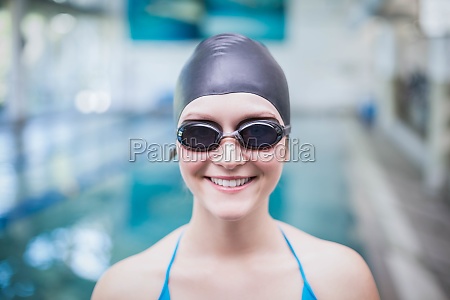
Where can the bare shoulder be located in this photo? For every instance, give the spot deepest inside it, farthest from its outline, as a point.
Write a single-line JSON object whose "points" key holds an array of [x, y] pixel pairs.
{"points": [[140, 276], [334, 271]]}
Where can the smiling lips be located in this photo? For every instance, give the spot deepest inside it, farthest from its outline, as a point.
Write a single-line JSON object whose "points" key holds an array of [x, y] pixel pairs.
{"points": [[230, 183]]}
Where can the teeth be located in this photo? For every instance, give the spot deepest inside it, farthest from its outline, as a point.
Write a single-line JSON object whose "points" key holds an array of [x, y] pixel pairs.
{"points": [[230, 183]]}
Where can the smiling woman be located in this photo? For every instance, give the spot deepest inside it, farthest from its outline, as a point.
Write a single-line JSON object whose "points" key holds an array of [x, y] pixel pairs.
{"points": [[231, 103]]}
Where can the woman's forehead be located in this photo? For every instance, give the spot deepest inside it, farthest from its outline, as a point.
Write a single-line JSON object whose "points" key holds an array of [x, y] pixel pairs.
{"points": [[230, 106]]}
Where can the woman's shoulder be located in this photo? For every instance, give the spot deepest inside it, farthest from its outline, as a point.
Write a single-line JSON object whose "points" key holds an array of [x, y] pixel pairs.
{"points": [[140, 276], [334, 271]]}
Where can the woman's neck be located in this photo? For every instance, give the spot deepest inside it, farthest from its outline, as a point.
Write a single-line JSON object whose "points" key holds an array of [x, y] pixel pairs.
{"points": [[211, 236]]}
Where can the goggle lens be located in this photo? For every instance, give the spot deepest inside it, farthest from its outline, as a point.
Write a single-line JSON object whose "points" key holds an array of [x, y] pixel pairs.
{"points": [[198, 136], [260, 136]]}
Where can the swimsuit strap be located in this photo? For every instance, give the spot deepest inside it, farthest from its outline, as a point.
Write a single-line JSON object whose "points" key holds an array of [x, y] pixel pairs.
{"points": [[295, 255], [166, 281], [307, 290], [165, 294]]}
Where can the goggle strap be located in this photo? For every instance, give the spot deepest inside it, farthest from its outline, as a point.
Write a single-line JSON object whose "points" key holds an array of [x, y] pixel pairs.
{"points": [[286, 130]]}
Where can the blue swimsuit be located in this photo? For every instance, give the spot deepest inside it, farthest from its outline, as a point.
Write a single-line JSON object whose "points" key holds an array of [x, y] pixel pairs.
{"points": [[307, 293]]}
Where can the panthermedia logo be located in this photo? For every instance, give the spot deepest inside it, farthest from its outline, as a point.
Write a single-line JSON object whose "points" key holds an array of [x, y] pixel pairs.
{"points": [[294, 151]]}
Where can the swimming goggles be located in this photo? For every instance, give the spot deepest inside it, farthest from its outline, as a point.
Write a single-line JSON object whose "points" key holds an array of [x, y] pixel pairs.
{"points": [[255, 135]]}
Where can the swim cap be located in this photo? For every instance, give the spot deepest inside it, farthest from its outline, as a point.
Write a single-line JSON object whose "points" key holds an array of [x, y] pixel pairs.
{"points": [[232, 63]]}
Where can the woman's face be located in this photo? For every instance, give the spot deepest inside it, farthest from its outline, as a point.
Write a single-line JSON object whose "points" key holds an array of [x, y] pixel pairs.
{"points": [[231, 182]]}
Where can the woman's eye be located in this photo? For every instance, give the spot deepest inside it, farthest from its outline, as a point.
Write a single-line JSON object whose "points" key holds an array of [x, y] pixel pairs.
{"points": [[201, 131], [255, 131]]}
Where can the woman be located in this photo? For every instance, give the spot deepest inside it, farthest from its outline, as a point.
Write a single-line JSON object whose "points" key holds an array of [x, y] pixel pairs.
{"points": [[232, 107]]}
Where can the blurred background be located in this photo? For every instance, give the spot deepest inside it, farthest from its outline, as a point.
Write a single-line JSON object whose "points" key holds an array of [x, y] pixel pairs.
{"points": [[85, 82]]}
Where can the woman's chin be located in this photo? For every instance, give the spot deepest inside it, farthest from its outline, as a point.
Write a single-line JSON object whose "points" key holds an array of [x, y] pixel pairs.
{"points": [[230, 209]]}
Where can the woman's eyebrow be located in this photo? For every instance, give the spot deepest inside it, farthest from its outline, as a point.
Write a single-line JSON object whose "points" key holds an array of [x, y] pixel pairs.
{"points": [[262, 115], [198, 116]]}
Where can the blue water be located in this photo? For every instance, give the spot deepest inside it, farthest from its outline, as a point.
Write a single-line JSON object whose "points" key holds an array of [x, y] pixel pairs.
{"points": [[71, 203]]}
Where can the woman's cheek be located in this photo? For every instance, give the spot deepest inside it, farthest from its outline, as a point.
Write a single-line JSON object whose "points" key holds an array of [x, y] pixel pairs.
{"points": [[191, 165]]}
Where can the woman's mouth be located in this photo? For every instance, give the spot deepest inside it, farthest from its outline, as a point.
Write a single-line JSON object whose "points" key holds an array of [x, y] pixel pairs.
{"points": [[230, 183]]}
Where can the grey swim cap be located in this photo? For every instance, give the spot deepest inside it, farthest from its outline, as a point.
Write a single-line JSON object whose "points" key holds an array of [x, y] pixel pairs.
{"points": [[232, 63]]}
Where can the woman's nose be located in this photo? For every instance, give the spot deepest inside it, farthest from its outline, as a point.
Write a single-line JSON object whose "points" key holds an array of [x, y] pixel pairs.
{"points": [[229, 154]]}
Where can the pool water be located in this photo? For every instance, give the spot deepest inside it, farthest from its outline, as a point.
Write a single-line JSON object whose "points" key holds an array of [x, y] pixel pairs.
{"points": [[73, 203]]}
